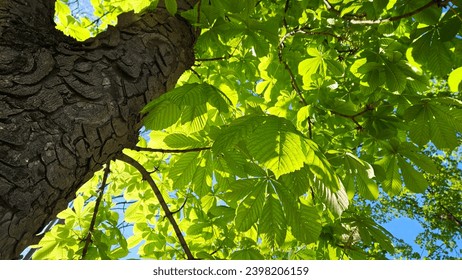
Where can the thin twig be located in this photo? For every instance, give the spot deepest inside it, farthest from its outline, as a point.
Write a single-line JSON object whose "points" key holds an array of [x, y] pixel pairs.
{"points": [[95, 212], [306, 31], [182, 206], [286, 8], [281, 58], [451, 7], [330, 7], [395, 18], [368, 108], [228, 56], [146, 176], [310, 128], [98, 19], [195, 73], [219, 247], [167, 151], [453, 218], [198, 29], [293, 80]]}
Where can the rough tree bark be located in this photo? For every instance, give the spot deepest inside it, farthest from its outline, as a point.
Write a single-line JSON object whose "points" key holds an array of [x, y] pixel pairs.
{"points": [[67, 107]]}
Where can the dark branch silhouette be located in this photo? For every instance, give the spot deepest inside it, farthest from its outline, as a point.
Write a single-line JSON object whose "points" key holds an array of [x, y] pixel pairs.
{"points": [[167, 151], [353, 117], [395, 18], [146, 176], [88, 239]]}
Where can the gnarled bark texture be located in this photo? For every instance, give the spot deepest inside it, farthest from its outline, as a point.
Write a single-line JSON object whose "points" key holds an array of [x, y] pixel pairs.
{"points": [[67, 107]]}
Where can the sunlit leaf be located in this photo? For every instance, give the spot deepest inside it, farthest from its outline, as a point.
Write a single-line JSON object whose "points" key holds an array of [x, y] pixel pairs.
{"points": [[250, 209], [454, 79], [363, 174], [273, 221]]}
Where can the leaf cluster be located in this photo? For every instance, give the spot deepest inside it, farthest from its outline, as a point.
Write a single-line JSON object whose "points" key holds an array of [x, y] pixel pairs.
{"points": [[295, 117]]}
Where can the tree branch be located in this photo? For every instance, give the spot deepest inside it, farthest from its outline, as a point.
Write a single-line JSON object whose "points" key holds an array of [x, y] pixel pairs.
{"points": [[395, 18], [228, 56], [146, 176], [95, 212], [182, 206], [293, 81], [198, 20], [368, 108], [167, 151], [99, 18], [452, 217], [330, 7], [281, 58], [307, 31], [286, 8]]}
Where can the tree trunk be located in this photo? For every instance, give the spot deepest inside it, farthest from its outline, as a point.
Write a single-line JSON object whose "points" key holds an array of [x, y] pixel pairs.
{"points": [[67, 107]]}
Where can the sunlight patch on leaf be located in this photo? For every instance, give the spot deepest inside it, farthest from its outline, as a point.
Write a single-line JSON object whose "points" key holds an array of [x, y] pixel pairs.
{"points": [[454, 80]]}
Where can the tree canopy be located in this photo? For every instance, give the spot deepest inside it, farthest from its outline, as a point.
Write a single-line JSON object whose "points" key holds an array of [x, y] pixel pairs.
{"points": [[302, 126]]}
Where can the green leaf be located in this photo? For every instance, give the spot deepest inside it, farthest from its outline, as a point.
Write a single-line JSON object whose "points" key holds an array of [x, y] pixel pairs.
{"points": [[413, 180], [162, 116], [202, 178], [135, 213], [395, 79], [186, 106], [454, 80], [430, 51], [183, 169], [307, 227], [334, 67], [310, 66], [276, 147], [239, 189], [247, 254], [276, 144], [288, 201], [320, 168], [196, 228], [392, 183], [411, 152], [273, 221], [433, 122], [371, 232], [194, 118], [336, 202], [237, 131], [429, 16], [449, 28], [363, 175], [250, 209], [171, 6], [182, 141]]}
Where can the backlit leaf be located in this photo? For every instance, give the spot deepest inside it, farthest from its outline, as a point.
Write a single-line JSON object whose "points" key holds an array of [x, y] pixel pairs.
{"points": [[249, 210], [273, 221], [413, 180]]}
